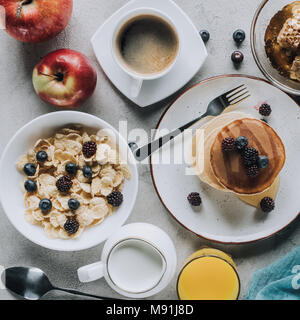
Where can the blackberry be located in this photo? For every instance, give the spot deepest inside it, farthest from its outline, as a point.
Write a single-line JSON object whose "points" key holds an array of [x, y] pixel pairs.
{"points": [[73, 204], [87, 172], [263, 162], [265, 110], [30, 186], [64, 184], [194, 199], [267, 204], [45, 205], [252, 171], [228, 145], [250, 156], [71, 168], [29, 169], [115, 198], [41, 156], [241, 143], [89, 149], [71, 226]]}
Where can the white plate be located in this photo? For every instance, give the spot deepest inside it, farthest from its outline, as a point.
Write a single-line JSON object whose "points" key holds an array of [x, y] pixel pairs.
{"points": [[223, 217], [187, 65], [12, 197]]}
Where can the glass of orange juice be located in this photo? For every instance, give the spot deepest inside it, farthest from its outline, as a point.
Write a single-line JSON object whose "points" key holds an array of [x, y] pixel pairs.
{"points": [[208, 274]]}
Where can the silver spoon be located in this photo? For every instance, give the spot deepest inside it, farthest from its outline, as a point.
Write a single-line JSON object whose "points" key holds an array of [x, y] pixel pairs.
{"points": [[33, 284]]}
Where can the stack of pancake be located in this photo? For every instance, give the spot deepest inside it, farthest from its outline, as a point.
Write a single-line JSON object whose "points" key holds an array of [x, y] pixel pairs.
{"points": [[226, 171]]}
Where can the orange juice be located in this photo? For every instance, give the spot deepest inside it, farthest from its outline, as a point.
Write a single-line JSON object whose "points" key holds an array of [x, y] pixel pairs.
{"points": [[209, 274]]}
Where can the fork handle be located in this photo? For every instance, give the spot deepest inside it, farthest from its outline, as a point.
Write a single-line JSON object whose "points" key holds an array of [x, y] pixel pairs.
{"points": [[144, 152]]}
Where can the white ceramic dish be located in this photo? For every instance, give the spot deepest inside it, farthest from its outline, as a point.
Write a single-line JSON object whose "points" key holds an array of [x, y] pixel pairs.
{"points": [[223, 217], [185, 68], [11, 195]]}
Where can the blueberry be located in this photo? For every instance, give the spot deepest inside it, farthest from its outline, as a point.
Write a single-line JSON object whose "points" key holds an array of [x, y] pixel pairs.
{"points": [[42, 156], [45, 205], [71, 168], [239, 36], [87, 172], [263, 162], [241, 143], [30, 186], [204, 35], [237, 57], [29, 169], [73, 204]]}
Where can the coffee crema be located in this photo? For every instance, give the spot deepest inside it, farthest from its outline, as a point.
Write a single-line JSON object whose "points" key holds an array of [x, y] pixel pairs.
{"points": [[147, 44]]}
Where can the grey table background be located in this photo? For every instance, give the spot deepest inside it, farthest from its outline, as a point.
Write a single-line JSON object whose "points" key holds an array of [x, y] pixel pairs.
{"points": [[19, 104]]}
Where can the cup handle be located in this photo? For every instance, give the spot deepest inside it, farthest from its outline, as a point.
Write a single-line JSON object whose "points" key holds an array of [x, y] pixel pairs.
{"points": [[135, 87], [91, 272]]}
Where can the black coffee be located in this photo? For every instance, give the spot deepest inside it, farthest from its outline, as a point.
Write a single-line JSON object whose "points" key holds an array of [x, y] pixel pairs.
{"points": [[147, 44]]}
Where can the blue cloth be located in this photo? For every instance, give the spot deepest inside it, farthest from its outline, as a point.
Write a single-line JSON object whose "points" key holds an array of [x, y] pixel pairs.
{"points": [[279, 281]]}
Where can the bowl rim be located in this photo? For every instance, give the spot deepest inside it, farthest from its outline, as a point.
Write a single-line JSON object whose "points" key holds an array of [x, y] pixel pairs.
{"points": [[134, 192], [255, 56]]}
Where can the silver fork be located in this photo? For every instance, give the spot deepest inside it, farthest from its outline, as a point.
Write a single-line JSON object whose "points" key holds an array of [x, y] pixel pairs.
{"points": [[215, 108]]}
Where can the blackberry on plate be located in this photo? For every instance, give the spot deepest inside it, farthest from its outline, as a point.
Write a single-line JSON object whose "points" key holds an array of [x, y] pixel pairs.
{"points": [[42, 156], [30, 186], [89, 149], [64, 184], [115, 198], [71, 226], [252, 171], [239, 36], [263, 162], [204, 35], [194, 199], [71, 168], [45, 205], [87, 172], [241, 143], [73, 204], [228, 145], [267, 204], [29, 169], [250, 156], [265, 110]]}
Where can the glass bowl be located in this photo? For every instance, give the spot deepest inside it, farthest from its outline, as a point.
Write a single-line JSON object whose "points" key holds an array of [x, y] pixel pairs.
{"points": [[265, 12]]}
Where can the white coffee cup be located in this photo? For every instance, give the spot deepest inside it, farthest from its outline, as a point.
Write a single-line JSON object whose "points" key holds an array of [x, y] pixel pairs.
{"points": [[139, 78], [137, 262]]}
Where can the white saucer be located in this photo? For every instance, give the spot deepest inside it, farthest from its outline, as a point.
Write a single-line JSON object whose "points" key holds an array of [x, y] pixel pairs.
{"points": [[222, 216], [192, 56]]}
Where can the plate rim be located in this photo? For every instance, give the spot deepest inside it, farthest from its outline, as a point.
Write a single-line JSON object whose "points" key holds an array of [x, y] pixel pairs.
{"points": [[151, 165]]}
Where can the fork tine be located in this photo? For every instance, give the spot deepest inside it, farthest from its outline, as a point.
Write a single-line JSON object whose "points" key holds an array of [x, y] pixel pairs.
{"points": [[242, 99], [234, 95], [232, 90]]}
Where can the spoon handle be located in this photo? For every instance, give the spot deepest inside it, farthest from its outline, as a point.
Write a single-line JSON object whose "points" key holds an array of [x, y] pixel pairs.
{"points": [[83, 294]]}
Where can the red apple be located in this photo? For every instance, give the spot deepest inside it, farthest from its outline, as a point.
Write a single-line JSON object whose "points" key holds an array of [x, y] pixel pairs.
{"points": [[64, 78], [36, 20]]}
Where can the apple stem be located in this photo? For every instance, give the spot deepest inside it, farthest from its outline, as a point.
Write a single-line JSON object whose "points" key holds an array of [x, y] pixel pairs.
{"points": [[20, 6], [55, 77]]}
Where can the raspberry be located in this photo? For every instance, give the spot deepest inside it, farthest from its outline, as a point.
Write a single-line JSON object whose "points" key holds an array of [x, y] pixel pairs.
{"points": [[265, 110], [194, 199], [64, 184], [115, 198], [228, 145], [89, 149], [250, 156], [71, 226], [267, 204], [253, 171]]}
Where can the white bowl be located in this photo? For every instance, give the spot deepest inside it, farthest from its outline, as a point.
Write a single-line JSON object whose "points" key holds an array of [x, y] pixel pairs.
{"points": [[12, 197]]}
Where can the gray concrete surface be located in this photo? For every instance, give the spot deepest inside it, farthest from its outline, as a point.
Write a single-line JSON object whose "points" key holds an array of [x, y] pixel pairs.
{"points": [[19, 104]]}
